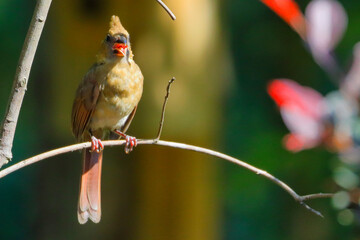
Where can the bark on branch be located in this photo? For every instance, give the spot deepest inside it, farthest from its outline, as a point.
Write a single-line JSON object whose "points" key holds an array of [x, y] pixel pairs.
{"points": [[8, 127]]}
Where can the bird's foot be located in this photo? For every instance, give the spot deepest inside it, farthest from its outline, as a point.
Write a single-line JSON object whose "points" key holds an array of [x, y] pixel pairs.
{"points": [[130, 142], [96, 145]]}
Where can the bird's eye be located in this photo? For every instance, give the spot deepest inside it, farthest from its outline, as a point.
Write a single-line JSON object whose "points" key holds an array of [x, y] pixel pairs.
{"points": [[108, 38], [121, 39]]}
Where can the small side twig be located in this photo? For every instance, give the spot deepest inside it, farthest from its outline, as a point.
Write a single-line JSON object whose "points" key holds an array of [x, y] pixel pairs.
{"points": [[318, 195], [173, 17], [8, 127], [163, 109]]}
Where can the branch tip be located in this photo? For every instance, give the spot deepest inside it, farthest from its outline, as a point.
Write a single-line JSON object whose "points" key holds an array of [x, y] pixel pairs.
{"points": [[311, 209], [161, 124]]}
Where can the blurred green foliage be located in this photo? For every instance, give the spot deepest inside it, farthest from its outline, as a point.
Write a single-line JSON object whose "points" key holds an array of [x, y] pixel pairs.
{"points": [[263, 47]]}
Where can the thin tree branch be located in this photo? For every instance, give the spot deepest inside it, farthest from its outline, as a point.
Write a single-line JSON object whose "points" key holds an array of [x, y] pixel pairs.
{"points": [[8, 127], [167, 9], [164, 107], [79, 146]]}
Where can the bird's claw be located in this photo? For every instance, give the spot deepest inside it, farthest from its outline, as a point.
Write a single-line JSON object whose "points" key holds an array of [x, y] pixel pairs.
{"points": [[96, 145], [130, 143]]}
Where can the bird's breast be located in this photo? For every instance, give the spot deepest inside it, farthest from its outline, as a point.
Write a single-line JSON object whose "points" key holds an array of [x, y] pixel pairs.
{"points": [[119, 94]]}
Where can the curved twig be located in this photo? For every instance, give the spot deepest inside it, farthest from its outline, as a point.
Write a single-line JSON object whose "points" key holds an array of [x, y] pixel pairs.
{"points": [[167, 9], [79, 146]]}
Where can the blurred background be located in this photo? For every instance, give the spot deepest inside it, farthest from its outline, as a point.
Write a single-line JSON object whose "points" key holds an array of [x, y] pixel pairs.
{"points": [[223, 54]]}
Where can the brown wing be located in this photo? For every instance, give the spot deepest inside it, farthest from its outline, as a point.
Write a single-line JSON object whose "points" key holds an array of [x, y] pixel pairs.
{"points": [[84, 105]]}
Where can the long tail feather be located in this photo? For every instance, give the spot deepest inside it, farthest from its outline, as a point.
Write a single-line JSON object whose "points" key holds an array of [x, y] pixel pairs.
{"points": [[90, 194]]}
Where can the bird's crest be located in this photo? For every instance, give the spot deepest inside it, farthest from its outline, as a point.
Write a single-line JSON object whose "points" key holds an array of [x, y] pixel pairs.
{"points": [[116, 27]]}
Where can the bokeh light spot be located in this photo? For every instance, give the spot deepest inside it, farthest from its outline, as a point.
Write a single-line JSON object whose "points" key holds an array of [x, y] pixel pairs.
{"points": [[345, 217]]}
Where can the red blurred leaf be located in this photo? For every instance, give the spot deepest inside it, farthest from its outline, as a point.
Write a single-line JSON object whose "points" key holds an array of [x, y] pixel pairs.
{"points": [[286, 92], [302, 110], [294, 143], [290, 12]]}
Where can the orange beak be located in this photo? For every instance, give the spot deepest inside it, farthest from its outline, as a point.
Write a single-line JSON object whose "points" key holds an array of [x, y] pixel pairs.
{"points": [[119, 49]]}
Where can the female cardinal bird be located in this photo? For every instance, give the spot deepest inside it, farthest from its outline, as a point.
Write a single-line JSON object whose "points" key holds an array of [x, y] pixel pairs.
{"points": [[105, 103]]}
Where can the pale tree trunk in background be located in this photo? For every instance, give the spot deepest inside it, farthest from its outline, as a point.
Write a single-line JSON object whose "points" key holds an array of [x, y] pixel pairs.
{"points": [[178, 190]]}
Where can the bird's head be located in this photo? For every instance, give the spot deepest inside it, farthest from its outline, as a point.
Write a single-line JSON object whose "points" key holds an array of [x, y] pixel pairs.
{"points": [[116, 44]]}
